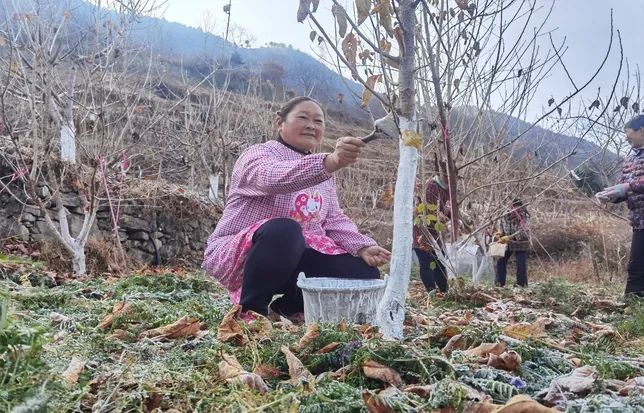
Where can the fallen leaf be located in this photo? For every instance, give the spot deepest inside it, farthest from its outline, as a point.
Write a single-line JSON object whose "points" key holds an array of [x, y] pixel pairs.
{"points": [[509, 360], [457, 342], [342, 372], [267, 371], [633, 387], [375, 370], [375, 403], [120, 309], [185, 327], [260, 328], [328, 348], [486, 349], [253, 381], [422, 391], [580, 381], [523, 404], [73, 371], [230, 330], [229, 367], [296, 369], [522, 331], [312, 332]]}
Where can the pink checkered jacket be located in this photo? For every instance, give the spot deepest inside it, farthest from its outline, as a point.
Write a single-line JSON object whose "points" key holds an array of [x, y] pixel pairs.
{"points": [[270, 180]]}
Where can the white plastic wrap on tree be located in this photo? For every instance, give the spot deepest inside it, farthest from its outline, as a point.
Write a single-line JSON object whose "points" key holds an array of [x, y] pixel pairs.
{"points": [[68, 143], [391, 311]]}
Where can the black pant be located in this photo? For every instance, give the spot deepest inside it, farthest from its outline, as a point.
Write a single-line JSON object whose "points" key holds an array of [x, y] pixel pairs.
{"points": [[277, 256], [635, 281], [522, 268], [431, 274]]}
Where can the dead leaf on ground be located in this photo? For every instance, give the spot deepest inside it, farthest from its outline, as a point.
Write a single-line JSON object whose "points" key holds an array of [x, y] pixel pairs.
{"points": [[185, 327], [375, 370], [312, 332], [448, 331], [422, 391], [296, 370], [342, 372], [73, 371], [368, 332], [375, 403], [486, 349], [260, 328], [509, 360], [579, 381], [457, 342], [267, 371], [634, 386], [328, 348], [120, 309], [481, 407], [522, 331], [524, 404], [231, 371], [229, 367], [230, 330]]}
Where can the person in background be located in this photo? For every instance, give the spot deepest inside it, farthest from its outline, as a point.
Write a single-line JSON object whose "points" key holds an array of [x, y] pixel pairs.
{"points": [[432, 271], [282, 217], [631, 189], [515, 231]]}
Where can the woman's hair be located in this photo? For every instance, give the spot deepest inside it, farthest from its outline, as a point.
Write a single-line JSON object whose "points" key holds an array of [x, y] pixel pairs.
{"points": [[636, 123], [291, 104]]}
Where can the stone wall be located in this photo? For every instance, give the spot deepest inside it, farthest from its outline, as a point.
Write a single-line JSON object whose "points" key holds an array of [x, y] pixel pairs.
{"points": [[157, 221]]}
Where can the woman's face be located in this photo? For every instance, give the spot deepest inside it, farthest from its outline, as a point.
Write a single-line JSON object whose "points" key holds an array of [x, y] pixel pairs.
{"points": [[635, 137], [303, 127]]}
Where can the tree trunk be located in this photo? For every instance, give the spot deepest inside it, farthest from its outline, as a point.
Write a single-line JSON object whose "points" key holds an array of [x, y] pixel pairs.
{"points": [[78, 259], [213, 192], [391, 310]]}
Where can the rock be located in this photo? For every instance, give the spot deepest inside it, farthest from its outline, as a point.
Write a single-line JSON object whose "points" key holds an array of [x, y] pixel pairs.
{"points": [[139, 235], [44, 192], [28, 217], [71, 200], [134, 224]]}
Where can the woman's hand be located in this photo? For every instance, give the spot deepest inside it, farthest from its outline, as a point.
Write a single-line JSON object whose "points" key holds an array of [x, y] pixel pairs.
{"points": [[347, 151], [613, 193], [374, 255]]}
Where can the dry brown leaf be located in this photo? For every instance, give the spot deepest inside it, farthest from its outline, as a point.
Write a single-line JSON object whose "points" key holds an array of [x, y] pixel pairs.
{"points": [[267, 371], [385, 45], [362, 7], [185, 327], [312, 332], [120, 309], [509, 360], [366, 93], [375, 370], [253, 381], [328, 348], [70, 375], [296, 369], [522, 331], [118, 334], [486, 349], [260, 328], [303, 10], [449, 331], [230, 330], [229, 367], [375, 403], [384, 10], [340, 15], [398, 34], [342, 372], [422, 391], [523, 404], [480, 407], [457, 342], [350, 49], [634, 386]]}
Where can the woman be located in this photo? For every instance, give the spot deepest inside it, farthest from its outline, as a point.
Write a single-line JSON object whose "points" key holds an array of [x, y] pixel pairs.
{"points": [[515, 231], [282, 217], [432, 270], [631, 190]]}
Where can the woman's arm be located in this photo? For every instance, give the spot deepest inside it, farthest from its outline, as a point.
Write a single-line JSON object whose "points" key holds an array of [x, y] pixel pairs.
{"points": [[260, 172]]}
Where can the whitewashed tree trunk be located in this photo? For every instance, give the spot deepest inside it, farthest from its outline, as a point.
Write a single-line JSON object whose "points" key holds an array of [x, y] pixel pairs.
{"points": [[391, 311], [213, 191], [68, 143]]}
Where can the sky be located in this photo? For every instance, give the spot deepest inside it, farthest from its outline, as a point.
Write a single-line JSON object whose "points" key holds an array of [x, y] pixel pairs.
{"points": [[585, 24]]}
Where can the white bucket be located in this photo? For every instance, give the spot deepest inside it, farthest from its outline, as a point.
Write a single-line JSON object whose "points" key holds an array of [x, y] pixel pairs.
{"points": [[331, 300]]}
